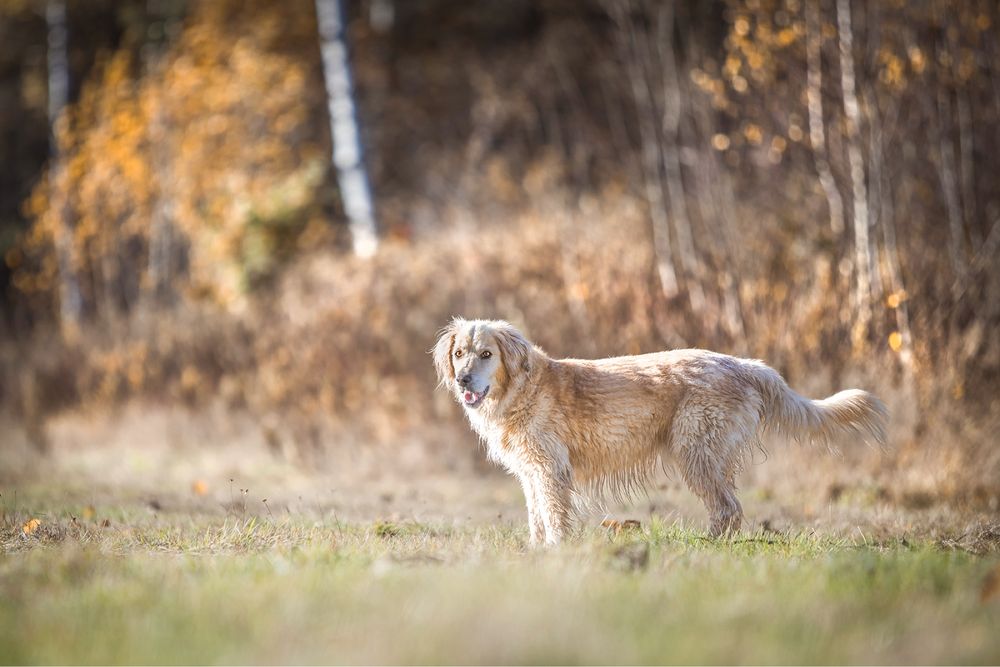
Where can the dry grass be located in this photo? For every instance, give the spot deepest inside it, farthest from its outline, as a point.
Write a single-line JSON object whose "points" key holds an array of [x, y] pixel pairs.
{"points": [[336, 353], [119, 582], [202, 547]]}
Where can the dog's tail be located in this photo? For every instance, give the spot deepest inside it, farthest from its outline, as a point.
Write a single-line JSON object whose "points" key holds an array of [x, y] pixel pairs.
{"points": [[846, 413]]}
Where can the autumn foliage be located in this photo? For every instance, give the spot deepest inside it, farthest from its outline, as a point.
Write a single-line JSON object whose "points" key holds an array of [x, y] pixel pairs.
{"points": [[612, 176], [213, 149]]}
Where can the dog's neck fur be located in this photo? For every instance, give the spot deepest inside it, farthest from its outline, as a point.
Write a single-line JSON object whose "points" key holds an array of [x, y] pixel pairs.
{"points": [[510, 411]]}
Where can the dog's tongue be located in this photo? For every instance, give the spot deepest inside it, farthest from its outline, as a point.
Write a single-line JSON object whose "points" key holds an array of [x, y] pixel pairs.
{"points": [[470, 396]]}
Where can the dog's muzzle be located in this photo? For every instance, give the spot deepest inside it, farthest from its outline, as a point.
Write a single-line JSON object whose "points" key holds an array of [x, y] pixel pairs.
{"points": [[472, 399]]}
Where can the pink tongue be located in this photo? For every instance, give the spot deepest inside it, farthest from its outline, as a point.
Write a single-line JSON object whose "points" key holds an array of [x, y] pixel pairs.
{"points": [[468, 396]]}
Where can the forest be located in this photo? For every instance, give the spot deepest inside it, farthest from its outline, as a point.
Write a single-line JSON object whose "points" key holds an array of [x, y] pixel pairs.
{"points": [[802, 183], [231, 229]]}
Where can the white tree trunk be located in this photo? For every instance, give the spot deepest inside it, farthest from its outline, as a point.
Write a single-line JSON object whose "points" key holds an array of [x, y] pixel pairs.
{"points": [[817, 133], [646, 114], [162, 234], [355, 190], [669, 154], [70, 299], [852, 113]]}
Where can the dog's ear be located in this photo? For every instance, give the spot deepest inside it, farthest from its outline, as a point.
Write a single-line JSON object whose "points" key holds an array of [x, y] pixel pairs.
{"points": [[515, 350], [442, 353]]}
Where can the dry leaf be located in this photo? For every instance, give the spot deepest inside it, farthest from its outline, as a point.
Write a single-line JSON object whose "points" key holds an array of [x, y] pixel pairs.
{"points": [[199, 487], [618, 527], [30, 526], [991, 585]]}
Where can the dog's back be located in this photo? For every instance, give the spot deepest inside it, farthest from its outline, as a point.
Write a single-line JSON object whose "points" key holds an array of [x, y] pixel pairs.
{"points": [[699, 410]]}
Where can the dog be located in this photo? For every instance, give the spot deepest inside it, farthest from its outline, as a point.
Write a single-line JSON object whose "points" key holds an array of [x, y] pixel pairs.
{"points": [[573, 429]]}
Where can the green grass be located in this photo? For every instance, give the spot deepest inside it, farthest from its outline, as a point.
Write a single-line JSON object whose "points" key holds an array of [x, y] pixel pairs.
{"points": [[195, 587]]}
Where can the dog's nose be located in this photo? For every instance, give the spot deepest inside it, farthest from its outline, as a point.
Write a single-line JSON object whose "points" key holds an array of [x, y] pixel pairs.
{"points": [[464, 380]]}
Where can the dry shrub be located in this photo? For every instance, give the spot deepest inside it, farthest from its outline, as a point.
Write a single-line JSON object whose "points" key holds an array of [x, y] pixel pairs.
{"points": [[518, 130], [336, 353]]}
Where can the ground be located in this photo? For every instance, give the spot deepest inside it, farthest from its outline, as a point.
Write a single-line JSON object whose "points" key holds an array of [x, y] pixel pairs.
{"points": [[146, 554]]}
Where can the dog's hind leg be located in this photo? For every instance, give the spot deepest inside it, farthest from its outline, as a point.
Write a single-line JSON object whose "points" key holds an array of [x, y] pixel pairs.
{"points": [[707, 451], [716, 489]]}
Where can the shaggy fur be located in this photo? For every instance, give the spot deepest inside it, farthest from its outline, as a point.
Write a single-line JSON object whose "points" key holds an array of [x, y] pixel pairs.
{"points": [[572, 427]]}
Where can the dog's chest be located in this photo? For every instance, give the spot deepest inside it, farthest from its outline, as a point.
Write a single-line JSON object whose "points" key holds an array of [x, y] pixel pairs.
{"points": [[502, 446]]}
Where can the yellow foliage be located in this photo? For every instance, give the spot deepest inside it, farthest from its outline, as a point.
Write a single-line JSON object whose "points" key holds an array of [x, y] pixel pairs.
{"points": [[30, 526], [720, 142], [217, 137], [893, 300]]}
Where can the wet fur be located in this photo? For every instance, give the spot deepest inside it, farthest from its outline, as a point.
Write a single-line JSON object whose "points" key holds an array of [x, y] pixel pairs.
{"points": [[572, 428]]}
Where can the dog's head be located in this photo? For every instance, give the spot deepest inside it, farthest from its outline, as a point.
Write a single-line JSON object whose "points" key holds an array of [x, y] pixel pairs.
{"points": [[476, 359]]}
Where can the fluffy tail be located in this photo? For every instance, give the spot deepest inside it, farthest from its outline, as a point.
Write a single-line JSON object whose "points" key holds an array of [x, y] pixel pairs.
{"points": [[846, 413]]}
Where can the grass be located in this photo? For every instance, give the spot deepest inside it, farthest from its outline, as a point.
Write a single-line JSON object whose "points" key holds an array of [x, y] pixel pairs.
{"points": [[192, 587]]}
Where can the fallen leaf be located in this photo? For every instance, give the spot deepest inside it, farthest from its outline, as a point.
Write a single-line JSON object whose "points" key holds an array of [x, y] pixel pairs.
{"points": [[30, 526], [991, 585], [617, 527]]}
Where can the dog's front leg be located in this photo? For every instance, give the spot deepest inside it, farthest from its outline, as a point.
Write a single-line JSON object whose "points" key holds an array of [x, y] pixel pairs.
{"points": [[536, 527], [553, 485]]}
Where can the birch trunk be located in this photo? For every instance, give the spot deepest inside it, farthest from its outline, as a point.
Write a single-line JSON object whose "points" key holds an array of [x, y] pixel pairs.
{"points": [[347, 158], [817, 132], [852, 113], [648, 136], [70, 298], [157, 286], [669, 154]]}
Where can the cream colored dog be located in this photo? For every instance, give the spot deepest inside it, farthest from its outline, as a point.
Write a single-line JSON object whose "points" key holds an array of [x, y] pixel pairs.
{"points": [[569, 427]]}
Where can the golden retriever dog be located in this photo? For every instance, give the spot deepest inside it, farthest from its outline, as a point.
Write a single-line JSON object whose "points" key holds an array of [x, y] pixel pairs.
{"points": [[569, 429]]}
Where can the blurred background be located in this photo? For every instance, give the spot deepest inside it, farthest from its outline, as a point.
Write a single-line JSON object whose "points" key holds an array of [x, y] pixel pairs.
{"points": [[236, 225]]}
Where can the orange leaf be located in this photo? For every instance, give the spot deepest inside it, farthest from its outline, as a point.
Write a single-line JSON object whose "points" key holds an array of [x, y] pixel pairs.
{"points": [[30, 526], [991, 585]]}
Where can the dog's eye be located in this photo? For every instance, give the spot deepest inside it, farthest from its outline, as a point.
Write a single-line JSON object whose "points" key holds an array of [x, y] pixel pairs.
{"points": [[486, 355], [458, 353]]}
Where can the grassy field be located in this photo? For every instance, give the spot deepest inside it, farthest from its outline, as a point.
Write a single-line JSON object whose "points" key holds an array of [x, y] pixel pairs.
{"points": [[127, 582]]}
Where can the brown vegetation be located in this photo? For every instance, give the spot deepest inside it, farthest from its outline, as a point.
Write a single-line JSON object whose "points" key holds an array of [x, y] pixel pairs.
{"points": [[634, 179]]}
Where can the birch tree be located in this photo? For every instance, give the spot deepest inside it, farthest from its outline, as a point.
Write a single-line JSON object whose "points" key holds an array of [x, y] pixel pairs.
{"points": [[642, 96], [162, 242], [70, 298], [348, 158], [817, 132], [670, 155], [647, 48], [852, 115]]}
